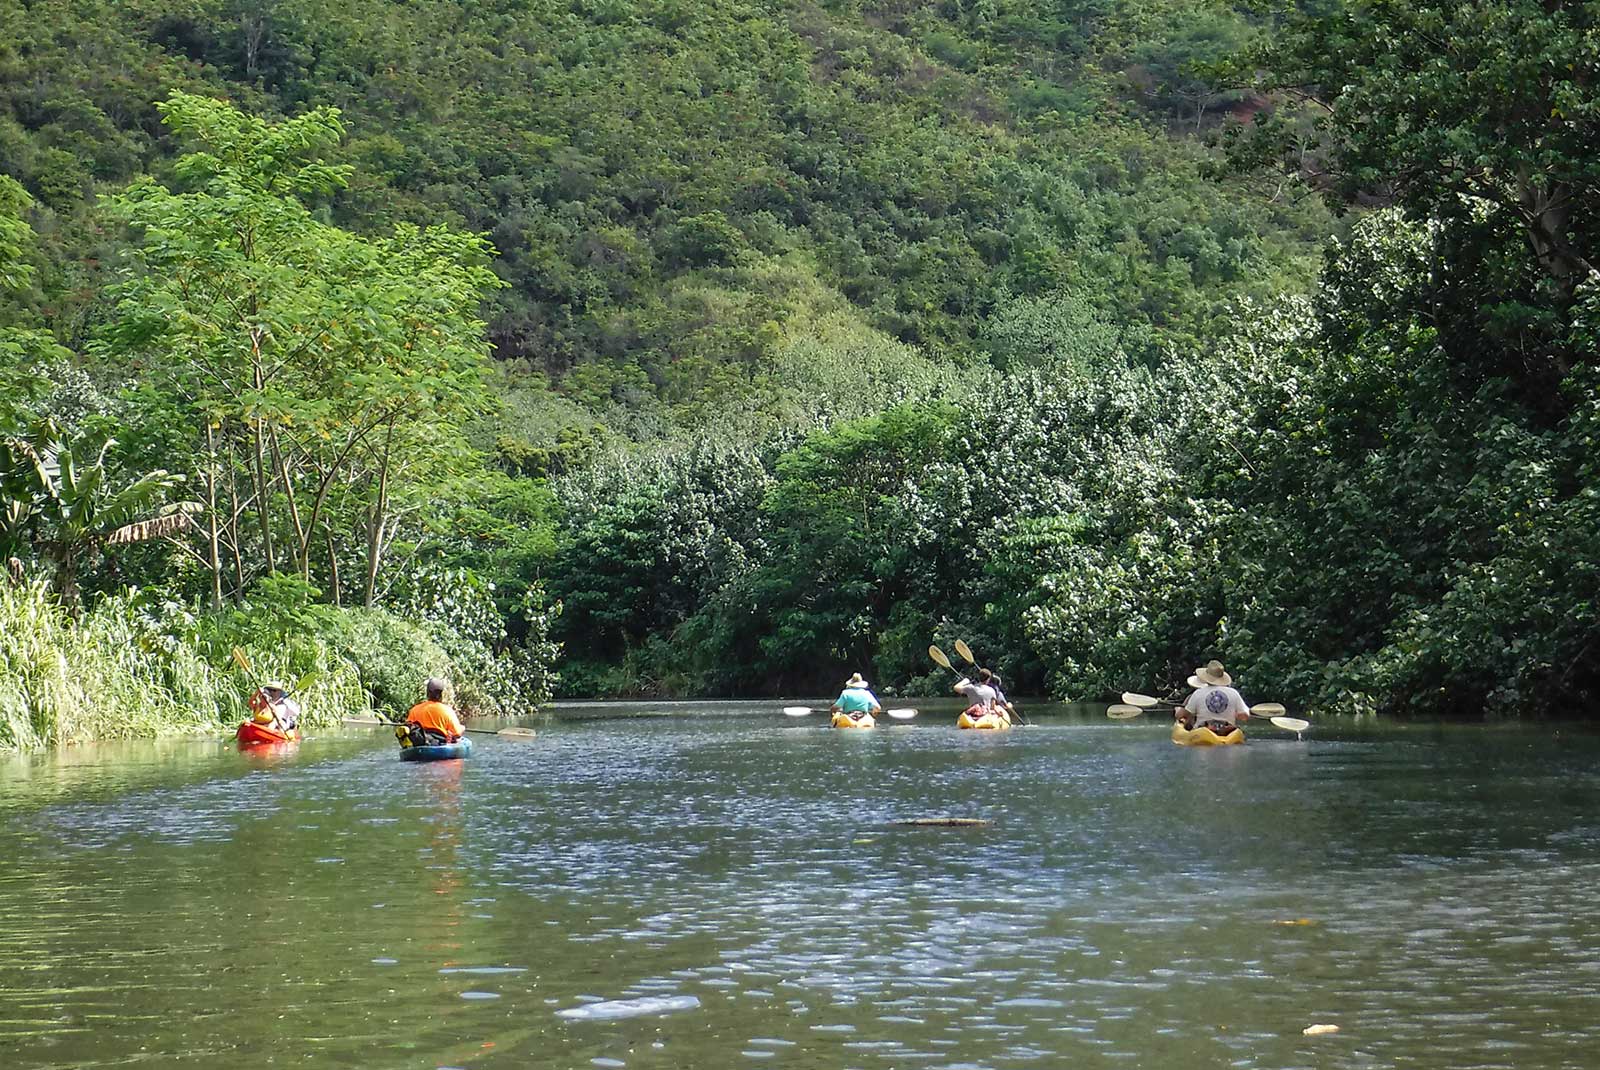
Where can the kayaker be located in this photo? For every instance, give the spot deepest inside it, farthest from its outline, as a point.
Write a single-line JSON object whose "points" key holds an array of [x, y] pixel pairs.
{"points": [[272, 704], [981, 696], [431, 722], [856, 700], [1215, 704], [1000, 699]]}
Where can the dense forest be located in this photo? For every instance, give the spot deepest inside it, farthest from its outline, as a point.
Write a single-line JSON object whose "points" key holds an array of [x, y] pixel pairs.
{"points": [[703, 347]]}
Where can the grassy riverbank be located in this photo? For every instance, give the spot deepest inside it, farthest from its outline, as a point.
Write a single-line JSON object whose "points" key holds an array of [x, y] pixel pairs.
{"points": [[138, 667]]}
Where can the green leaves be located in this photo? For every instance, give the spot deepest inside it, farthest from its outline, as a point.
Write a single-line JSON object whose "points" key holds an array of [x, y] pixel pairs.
{"points": [[334, 371]]}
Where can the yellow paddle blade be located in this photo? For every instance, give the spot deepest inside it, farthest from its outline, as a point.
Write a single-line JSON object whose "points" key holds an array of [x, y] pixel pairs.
{"points": [[516, 733], [243, 662], [1133, 698], [1122, 712], [938, 655], [1267, 709], [1293, 724], [966, 652]]}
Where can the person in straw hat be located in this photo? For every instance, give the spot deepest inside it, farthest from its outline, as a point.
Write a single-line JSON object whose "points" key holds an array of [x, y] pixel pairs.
{"points": [[856, 700], [272, 705], [1215, 704]]}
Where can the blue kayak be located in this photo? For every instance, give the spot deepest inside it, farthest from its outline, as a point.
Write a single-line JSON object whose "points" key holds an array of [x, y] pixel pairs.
{"points": [[437, 753]]}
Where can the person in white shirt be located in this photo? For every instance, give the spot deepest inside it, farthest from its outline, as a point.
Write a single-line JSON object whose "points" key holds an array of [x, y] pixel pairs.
{"points": [[273, 701], [1215, 704]]}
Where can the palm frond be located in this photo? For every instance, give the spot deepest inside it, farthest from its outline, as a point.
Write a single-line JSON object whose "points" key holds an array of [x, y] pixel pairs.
{"points": [[173, 519]]}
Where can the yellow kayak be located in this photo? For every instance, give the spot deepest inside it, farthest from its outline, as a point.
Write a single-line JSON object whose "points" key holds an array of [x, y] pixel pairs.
{"points": [[844, 720], [1204, 737], [993, 722]]}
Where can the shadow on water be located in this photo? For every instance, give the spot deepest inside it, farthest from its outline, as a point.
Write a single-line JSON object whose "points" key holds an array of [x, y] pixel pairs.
{"points": [[725, 886]]}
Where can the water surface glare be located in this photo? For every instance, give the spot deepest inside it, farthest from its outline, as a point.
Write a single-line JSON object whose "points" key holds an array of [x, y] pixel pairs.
{"points": [[727, 889]]}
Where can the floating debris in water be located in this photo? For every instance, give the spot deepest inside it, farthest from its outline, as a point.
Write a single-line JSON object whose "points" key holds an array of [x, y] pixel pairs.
{"points": [[615, 1009], [947, 822], [1320, 1029], [1294, 921]]}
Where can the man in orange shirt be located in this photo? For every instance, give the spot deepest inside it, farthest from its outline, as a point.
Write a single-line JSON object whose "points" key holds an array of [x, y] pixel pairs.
{"points": [[432, 722]]}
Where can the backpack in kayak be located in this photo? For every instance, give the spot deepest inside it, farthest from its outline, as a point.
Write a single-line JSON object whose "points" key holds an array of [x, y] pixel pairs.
{"points": [[415, 735]]}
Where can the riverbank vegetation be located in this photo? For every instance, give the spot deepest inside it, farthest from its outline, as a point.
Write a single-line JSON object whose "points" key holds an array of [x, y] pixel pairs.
{"points": [[732, 346]]}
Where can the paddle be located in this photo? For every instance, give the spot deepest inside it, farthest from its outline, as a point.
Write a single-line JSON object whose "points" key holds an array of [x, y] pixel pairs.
{"points": [[1272, 711], [514, 732], [966, 652], [805, 711]]}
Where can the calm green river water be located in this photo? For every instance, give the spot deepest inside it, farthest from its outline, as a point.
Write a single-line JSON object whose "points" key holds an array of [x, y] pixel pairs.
{"points": [[723, 887]]}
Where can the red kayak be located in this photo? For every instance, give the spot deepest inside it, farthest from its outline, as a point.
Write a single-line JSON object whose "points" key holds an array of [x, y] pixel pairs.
{"points": [[251, 734]]}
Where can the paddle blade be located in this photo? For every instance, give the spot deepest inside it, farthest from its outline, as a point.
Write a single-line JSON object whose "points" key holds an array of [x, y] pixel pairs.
{"points": [[1267, 709], [797, 711], [965, 651], [243, 662], [938, 655], [516, 733], [306, 681], [901, 715], [1133, 698], [1293, 724], [1122, 712]]}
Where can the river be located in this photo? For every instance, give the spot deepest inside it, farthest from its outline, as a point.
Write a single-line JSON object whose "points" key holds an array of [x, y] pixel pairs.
{"points": [[725, 887]]}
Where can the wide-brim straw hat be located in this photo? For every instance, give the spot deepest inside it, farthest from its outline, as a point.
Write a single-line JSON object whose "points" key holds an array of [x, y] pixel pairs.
{"points": [[855, 681], [1213, 674], [274, 685]]}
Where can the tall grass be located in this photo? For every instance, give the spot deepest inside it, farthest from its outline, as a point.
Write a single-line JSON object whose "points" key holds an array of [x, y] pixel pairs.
{"points": [[114, 675]]}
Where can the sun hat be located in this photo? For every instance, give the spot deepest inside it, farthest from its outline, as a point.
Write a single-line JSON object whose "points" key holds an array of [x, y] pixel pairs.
{"points": [[1213, 675], [436, 684], [274, 685], [1195, 682], [855, 681]]}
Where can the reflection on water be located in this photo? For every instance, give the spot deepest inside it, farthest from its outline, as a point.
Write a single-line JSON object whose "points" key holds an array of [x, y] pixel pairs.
{"points": [[728, 890]]}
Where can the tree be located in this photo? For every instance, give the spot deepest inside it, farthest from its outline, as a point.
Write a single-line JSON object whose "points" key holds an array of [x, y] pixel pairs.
{"points": [[60, 493], [1479, 116], [325, 375]]}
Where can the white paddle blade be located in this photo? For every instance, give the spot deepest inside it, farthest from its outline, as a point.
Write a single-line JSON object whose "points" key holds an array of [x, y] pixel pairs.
{"points": [[796, 711], [1123, 711], [1133, 698], [901, 715], [1293, 724], [1268, 709]]}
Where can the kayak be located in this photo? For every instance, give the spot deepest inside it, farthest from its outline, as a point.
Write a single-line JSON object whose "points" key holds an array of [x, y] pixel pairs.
{"points": [[1204, 737], [251, 734], [437, 752], [993, 722], [844, 720]]}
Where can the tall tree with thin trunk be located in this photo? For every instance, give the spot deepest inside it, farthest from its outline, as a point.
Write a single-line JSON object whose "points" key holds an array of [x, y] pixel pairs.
{"points": [[310, 357]]}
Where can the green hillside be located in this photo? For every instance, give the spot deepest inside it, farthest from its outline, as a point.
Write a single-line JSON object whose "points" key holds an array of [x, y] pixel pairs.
{"points": [[678, 191]]}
